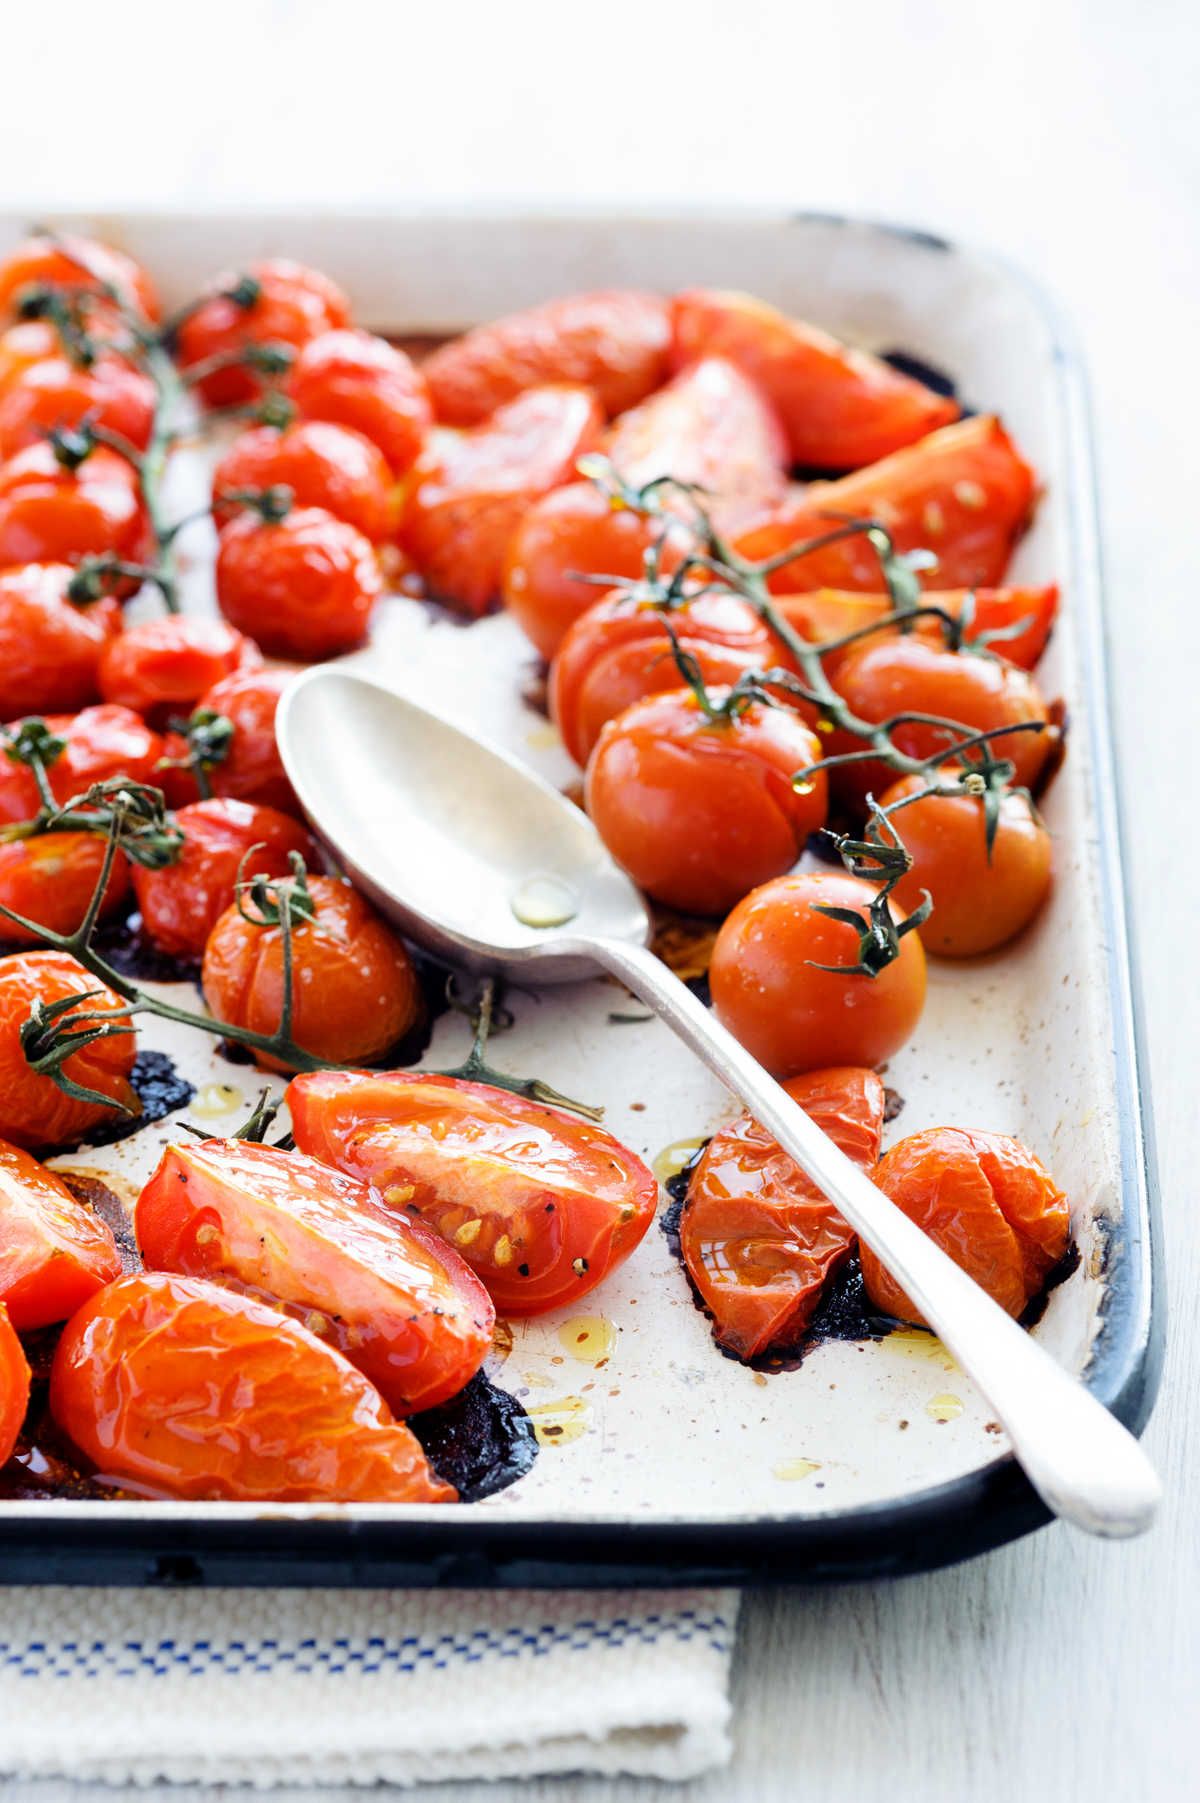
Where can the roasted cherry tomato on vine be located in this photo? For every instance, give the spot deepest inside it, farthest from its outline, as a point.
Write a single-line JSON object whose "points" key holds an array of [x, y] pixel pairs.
{"points": [[162, 667], [179, 1387], [96, 745], [54, 510], [50, 880], [710, 426], [276, 302], [382, 1287], [356, 379], [355, 990], [567, 533], [540, 1204], [65, 260], [700, 810], [758, 1238], [111, 393], [34, 1111], [21, 346], [322, 464], [50, 649], [15, 1378], [54, 1252], [471, 489], [614, 341], [986, 1201], [768, 989], [222, 840], [249, 766], [1015, 623], [304, 586]]}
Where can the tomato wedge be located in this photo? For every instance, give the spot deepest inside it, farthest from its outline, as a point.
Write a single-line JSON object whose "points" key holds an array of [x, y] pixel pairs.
{"points": [[758, 1237], [381, 1287], [54, 1252], [540, 1204], [177, 1387], [14, 1385], [710, 425], [1021, 618]]}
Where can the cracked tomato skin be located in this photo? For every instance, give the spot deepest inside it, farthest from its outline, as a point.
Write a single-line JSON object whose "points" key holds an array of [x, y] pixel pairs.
{"points": [[986, 1201], [50, 514], [614, 341], [540, 1204], [50, 650], [303, 587], [98, 743], [324, 465], [55, 392], [1025, 616], [699, 812], [34, 1111], [15, 1379], [252, 769], [355, 994], [381, 1287], [295, 304], [68, 261], [359, 380], [50, 878], [54, 1252], [176, 1387], [162, 667], [758, 1238]]}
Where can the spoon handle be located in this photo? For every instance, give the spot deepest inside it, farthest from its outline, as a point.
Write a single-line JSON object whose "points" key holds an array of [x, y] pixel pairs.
{"points": [[1085, 1466]]}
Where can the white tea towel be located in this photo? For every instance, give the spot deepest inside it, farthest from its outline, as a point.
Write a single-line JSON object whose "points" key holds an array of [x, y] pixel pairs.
{"points": [[339, 1687]]}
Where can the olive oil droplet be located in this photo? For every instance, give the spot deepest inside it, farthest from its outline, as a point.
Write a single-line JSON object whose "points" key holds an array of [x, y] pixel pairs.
{"points": [[674, 1158], [944, 1408], [560, 1422], [588, 1338], [213, 1099], [544, 901], [792, 1470]]}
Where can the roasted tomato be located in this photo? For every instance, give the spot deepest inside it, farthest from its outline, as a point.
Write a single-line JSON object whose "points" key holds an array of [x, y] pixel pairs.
{"points": [[569, 532], [986, 1201], [21, 346], [541, 1205], [14, 1386], [355, 991], [162, 667], [250, 767], [709, 426], [181, 903], [381, 1287], [356, 379], [619, 651], [54, 1252], [304, 585], [322, 464], [49, 879], [840, 408], [275, 302], [178, 1387], [53, 512], [470, 490], [1021, 618], [69, 261], [965, 493], [700, 810], [97, 744], [111, 393], [768, 990], [615, 341], [758, 1237], [50, 650], [34, 1111]]}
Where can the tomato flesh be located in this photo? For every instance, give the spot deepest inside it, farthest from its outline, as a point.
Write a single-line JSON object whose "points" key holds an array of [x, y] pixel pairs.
{"points": [[54, 1252], [14, 1386]]}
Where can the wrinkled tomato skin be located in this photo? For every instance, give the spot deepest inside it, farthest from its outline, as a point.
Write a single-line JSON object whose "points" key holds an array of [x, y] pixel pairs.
{"points": [[49, 879], [758, 1238], [303, 587], [572, 529], [50, 650], [53, 515], [792, 1016], [614, 341], [161, 667], [356, 992], [540, 1204], [381, 1287], [15, 1377], [358, 380], [324, 466], [986, 1201], [54, 392], [48, 262], [98, 743], [701, 812], [295, 305], [34, 1111], [176, 1387], [54, 1252], [181, 903], [252, 769], [826, 614]]}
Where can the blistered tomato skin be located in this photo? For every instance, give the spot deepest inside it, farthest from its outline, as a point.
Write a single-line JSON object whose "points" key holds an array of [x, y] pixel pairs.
{"points": [[55, 514], [14, 1386], [324, 465], [162, 667], [50, 650], [54, 1252], [34, 1111], [50, 879], [359, 380], [173, 1386], [111, 394], [303, 587], [294, 304], [98, 743]]}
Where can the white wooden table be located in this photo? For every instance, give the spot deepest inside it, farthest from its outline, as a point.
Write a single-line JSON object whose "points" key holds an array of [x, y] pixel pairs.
{"points": [[1062, 132]]}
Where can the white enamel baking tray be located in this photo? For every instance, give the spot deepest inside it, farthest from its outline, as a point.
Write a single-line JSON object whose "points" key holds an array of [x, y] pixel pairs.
{"points": [[673, 1462]]}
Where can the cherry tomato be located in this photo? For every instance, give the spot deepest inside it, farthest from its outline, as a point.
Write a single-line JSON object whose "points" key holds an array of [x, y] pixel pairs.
{"points": [[282, 304], [986, 1201], [572, 529], [304, 586], [252, 769], [21, 346], [111, 393], [1022, 616], [540, 1204], [182, 903], [792, 1016], [964, 493], [324, 466], [470, 490], [381, 1287], [355, 990], [53, 513], [614, 341], [54, 1252], [162, 667], [15, 1377], [50, 650], [177, 1387], [66, 260], [709, 426], [758, 1237], [34, 1111], [50, 879], [980, 901], [99, 743], [699, 811], [361, 381]]}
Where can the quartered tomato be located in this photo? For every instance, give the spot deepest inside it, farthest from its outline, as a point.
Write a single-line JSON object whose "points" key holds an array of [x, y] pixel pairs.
{"points": [[54, 1252], [322, 464], [181, 903], [97, 744], [569, 532], [51, 512], [251, 768], [274, 302], [697, 810], [50, 879], [110, 393], [840, 408], [304, 586], [1021, 618], [711, 426], [615, 341], [541, 1205], [178, 1387], [355, 992], [986, 1201], [14, 1386], [66, 260], [50, 650], [471, 489], [162, 667], [34, 1111], [758, 1237], [356, 379]]}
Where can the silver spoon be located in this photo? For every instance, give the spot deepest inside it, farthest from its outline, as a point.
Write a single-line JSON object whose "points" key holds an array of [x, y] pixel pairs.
{"points": [[478, 859]]}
